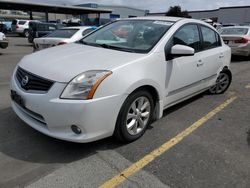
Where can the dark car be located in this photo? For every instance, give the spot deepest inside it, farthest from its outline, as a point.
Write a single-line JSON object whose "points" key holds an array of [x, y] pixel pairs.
{"points": [[37, 30], [3, 28]]}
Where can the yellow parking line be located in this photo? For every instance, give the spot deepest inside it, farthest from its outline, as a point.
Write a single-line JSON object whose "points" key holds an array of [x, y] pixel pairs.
{"points": [[118, 179]]}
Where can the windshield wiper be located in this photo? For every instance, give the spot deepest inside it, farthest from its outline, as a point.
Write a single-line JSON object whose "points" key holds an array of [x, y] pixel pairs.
{"points": [[107, 46], [116, 48]]}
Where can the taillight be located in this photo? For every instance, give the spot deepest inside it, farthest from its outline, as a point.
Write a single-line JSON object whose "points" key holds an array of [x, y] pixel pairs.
{"points": [[242, 41], [17, 26], [61, 43]]}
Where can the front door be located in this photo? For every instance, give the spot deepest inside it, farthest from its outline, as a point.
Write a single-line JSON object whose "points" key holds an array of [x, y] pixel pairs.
{"points": [[184, 74]]}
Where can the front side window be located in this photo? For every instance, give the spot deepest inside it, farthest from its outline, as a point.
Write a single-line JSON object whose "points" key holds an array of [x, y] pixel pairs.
{"points": [[138, 36], [209, 38], [189, 36]]}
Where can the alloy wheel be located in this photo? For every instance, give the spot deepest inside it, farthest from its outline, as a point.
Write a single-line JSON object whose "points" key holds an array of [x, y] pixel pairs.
{"points": [[221, 85], [138, 115]]}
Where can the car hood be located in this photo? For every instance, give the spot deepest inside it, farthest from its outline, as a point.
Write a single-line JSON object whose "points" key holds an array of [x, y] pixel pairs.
{"points": [[63, 63]]}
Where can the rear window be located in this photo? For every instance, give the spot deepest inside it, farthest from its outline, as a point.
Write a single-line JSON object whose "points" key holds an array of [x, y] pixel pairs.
{"points": [[63, 33], [21, 22], [234, 31]]}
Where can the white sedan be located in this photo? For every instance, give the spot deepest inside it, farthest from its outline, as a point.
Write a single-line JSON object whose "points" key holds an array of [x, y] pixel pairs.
{"points": [[238, 38], [3, 41], [105, 85], [62, 36]]}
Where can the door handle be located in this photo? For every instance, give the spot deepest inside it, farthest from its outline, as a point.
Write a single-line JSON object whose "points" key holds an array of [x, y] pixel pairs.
{"points": [[200, 63], [221, 56]]}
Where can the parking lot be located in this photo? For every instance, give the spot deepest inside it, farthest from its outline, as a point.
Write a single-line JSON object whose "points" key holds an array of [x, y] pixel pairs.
{"points": [[213, 149]]}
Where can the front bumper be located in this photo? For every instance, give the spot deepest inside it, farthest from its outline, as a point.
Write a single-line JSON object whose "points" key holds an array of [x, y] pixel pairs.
{"points": [[53, 116], [4, 44]]}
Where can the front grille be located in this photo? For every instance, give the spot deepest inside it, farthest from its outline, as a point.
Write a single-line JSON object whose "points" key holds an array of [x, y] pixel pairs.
{"points": [[31, 82]]}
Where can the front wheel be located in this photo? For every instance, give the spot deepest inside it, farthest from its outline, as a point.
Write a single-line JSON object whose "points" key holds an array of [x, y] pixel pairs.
{"points": [[222, 83], [135, 116]]}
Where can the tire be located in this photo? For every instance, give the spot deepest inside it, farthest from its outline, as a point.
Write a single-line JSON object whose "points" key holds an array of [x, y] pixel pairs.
{"points": [[222, 83], [26, 33], [139, 118]]}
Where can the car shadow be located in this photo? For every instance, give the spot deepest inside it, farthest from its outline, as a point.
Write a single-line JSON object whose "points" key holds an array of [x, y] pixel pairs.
{"points": [[13, 35], [182, 104], [239, 59], [248, 137], [24, 45], [178, 106], [19, 141]]}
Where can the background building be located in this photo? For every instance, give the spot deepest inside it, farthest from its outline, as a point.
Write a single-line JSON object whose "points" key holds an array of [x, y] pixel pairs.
{"points": [[239, 14], [117, 12]]}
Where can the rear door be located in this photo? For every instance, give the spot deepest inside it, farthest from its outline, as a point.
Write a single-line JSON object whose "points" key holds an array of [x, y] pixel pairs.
{"points": [[211, 55]]}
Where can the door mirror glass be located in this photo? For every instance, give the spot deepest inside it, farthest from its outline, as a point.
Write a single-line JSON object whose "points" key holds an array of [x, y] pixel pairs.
{"points": [[181, 50]]}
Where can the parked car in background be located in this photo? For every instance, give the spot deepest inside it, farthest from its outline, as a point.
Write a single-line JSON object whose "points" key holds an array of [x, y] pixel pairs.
{"points": [[3, 41], [229, 24], [104, 85], [8, 25], [38, 30], [62, 36], [238, 38], [3, 28], [21, 27]]}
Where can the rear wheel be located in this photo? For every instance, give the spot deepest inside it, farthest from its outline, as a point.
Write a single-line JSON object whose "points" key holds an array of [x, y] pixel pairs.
{"points": [[222, 83], [135, 116], [26, 33]]}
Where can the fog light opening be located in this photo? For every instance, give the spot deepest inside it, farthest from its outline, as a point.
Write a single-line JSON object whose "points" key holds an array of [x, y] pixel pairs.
{"points": [[76, 129]]}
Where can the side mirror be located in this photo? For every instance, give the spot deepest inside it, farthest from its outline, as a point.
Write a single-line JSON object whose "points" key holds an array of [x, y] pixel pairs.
{"points": [[180, 51]]}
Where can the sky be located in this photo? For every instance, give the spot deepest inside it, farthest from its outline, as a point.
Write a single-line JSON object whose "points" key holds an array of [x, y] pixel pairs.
{"points": [[157, 5]]}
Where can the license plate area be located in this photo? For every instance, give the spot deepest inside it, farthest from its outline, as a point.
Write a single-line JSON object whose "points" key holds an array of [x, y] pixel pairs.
{"points": [[17, 98]]}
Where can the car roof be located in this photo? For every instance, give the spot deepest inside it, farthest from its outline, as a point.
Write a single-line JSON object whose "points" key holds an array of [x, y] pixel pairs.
{"points": [[161, 18]]}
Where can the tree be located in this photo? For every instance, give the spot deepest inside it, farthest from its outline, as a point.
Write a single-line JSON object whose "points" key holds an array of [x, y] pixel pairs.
{"points": [[177, 12]]}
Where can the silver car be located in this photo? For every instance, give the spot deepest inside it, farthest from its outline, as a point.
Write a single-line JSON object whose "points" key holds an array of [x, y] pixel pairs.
{"points": [[238, 38]]}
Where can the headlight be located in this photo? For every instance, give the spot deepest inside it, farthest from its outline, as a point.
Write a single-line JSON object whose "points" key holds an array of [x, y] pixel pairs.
{"points": [[84, 85]]}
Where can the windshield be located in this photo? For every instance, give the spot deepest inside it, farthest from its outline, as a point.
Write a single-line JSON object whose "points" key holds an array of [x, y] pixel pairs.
{"points": [[63, 33], [234, 31], [138, 36]]}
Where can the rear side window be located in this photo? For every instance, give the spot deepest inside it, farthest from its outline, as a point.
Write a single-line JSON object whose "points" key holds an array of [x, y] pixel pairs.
{"points": [[63, 33], [210, 38], [188, 36], [21, 22]]}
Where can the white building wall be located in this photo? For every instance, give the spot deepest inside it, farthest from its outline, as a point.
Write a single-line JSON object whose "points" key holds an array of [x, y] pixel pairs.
{"points": [[238, 15]]}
